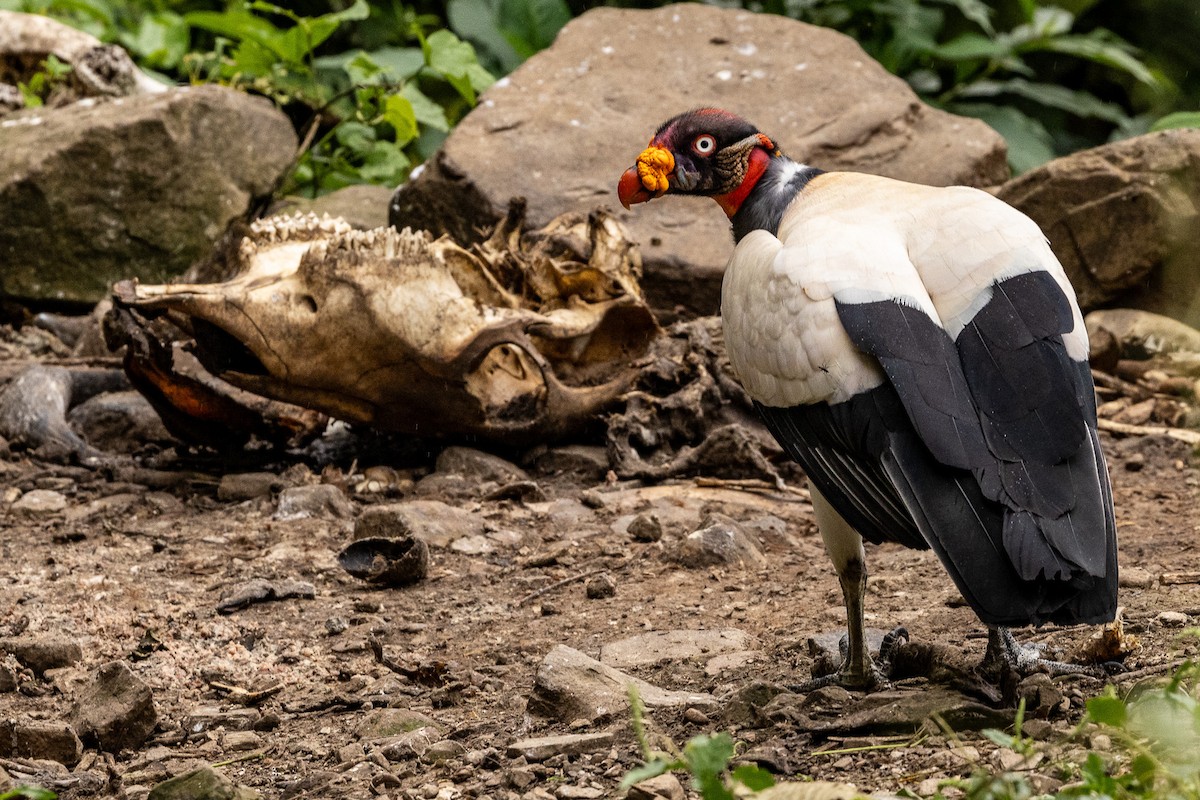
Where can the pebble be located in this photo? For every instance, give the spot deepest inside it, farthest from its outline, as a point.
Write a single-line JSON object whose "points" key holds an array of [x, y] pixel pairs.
{"points": [[570, 744], [601, 586], [247, 486], [40, 653], [645, 528], [241, 740], [1135, 578], [443, 750], [660, 787], [323, 501], [696, 716], [40, 502], [1172, 619], [50, 740], [116, 708]]}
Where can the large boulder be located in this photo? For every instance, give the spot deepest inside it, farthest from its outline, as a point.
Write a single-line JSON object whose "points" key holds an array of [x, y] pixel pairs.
{"points": [[1123, 219], [562, 128], [138, 186]]}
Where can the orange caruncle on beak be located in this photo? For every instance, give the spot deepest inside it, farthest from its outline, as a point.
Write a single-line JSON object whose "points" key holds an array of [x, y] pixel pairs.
{"points": [[648, 178]]}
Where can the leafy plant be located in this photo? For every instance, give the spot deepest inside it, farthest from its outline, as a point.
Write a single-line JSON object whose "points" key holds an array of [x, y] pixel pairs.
{"points": [[957, 55], [705, 757], [52, 73], [508, 31], [28, 793]]}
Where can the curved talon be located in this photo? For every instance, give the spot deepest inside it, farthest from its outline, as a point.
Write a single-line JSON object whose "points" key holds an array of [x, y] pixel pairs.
{"points": [[1003, 650]]}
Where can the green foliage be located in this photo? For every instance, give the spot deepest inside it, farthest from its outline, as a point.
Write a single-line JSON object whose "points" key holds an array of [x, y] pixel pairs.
{"points": [[966, 57], [705, 757], [51, 73], [508, 31], [370, 112], [28, 793]]}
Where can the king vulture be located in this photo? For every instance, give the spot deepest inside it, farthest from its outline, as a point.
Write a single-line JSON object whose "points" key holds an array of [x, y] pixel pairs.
{"points": [[920, 353]]}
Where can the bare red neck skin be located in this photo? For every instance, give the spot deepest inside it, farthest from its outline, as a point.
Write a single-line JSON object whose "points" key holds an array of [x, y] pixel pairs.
{"points": [[730, 202]]}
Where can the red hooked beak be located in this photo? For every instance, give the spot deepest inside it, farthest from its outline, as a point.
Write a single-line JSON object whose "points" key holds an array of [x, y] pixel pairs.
{"points": [[630, 189]]}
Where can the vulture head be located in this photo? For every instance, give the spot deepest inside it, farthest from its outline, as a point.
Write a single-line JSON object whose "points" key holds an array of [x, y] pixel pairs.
{"points": [[707, 152]]}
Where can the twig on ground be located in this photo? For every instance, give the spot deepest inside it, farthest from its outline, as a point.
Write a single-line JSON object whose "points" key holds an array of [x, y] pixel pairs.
{"points": [[557, 584], [753, 485], [1182, 434]]}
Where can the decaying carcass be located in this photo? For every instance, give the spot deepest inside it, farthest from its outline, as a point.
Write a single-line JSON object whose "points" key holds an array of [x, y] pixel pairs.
{"points": [[519, 339]]}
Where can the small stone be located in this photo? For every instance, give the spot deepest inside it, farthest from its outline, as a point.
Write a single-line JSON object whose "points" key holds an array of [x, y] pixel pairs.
{"points": [[521, 778], [1100, 742], [719, 540], [39, 502], [433, 521], [386, 722], [601, 586], [1135, 462], [660, 787], [201, 784], [40, 653], [241, 740], [49, 740], [696, 716], [928, 787], [1172, 619], [323, 501], [116, 708], [1135, 578], [568, 792], [350, 753], [247, 486], [8, 679], [474, 545], [571, 744], [336, 625], [479, 466], [645, 528], [443, 750]]}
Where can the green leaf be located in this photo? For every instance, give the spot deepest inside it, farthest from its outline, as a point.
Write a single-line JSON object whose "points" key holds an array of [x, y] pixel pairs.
{"points": [[1029, 143], [399, 63], [753, 777], [385, 163], [398, 112], [236, 25], [160, 41], [973, 47], [1102, 51], [709, 755], [476, 21], [427, 112], [1051, 95], [356, 136], [28, 793], [531, 25], [1180, 119], [998, 737], [1107, 710], [455, 60], [975, 10]]}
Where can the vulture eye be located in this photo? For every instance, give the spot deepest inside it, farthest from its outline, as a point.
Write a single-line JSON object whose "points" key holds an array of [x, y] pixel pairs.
{"points": [[704, 144]]}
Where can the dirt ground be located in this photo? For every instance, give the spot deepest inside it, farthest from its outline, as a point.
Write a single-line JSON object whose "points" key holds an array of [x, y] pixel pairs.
{"points": [[129, 557]]}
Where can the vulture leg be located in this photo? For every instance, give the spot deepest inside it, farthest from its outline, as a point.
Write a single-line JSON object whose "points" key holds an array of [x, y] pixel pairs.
{"points": [[1003, 650], [845, 548]]}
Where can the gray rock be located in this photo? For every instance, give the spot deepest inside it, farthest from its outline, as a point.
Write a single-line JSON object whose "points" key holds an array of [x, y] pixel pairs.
{"points": [[118, 422], [139, 186], [600, 587], [323, 501], [1118, 214], [589, 104], [660, 787], [719, 540], [201, 784], [54, 741], [570, 686], [1172, 619], [248, 485], [587, 462], [40, 653], [1135, 578], [207, 718], [443, 750], [571, 744], [8, 679], [431, 520], [237, 741], [678, 645], [39, 502], [382, 723], [645, 528], [363, 205], [1142, 334], [478, 466], [115, 708]]}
